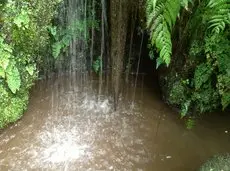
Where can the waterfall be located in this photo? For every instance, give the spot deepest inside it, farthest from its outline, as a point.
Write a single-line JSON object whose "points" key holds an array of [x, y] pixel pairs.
{"points": [[105, 43], [119, 13], [72, 23], [75, 15]]}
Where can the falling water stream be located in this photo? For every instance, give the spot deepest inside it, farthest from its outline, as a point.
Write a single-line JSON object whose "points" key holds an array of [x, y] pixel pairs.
{"points": [[66, 127]]}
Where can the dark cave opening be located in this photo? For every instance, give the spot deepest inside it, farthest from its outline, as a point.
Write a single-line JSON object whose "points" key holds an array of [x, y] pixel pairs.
{"points": [[147, 66]]}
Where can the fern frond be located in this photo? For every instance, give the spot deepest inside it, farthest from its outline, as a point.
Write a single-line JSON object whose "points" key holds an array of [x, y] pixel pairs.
{"points": [[161, 17], [184, 3], [217, 15], [153, 14]]}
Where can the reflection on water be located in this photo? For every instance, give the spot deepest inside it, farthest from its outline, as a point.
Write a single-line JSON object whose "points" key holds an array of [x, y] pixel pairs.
{"points": [[69, 127]]}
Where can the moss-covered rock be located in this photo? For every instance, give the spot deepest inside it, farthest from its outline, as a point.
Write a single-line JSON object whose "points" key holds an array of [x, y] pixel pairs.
{"points": [[12, 105], [217, 163]]}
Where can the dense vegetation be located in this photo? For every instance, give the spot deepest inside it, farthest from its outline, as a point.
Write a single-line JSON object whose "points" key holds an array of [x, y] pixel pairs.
{"points": [[192, 37], [23, 46], [188, 38]]}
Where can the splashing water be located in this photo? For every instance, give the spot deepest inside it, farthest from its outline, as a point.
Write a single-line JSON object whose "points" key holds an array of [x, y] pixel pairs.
{"points": [[67, 127], [78, 129]]}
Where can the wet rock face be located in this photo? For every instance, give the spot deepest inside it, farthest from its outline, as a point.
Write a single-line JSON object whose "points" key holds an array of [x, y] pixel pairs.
{"points": [[217, 162]]}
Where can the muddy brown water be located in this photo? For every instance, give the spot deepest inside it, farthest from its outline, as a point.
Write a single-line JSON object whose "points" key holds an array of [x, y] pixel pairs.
{"points": [[68, 127]]}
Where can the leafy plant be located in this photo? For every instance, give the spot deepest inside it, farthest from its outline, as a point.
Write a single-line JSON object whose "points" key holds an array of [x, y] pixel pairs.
{"points": [[161, 17], [13, 78], [8, 70], [97, 64], [196, 35], [202, 75], [217, 15], [23, 43], [224, 89], [63, 36]]}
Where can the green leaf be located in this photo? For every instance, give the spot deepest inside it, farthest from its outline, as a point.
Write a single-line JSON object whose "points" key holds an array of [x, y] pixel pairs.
{"points": [[30, 69], [22, 19], [202, 75], [2, 72], [161, 17], [4, 63], [151, 54], [190, 123], [53, 30], [13, 78], [225, 99], [224, 89], [66, 40], [56, 49], [97, 65], [185, 108], [159, 62]]}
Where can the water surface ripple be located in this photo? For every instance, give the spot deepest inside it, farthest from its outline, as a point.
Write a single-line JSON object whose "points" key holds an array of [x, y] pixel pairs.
{"points": [[69, 127]]}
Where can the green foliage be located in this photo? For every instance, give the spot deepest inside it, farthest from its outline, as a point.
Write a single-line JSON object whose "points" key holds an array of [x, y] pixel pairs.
{"points": [[97, 64], [190, 123], [185, 108], [217, 163], [217, 48], [206, 99], [215, 68], [208, 89], [63, 36], [199, 79], [202, 75], [178, 93], [12, 105], [22, 19], [161, 17], [13, 78], [23, 43], [217, 15], [224, 89], [8, 69]]}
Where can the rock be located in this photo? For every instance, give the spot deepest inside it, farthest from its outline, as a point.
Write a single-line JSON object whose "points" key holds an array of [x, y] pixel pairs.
{"points": [[217, 163]]}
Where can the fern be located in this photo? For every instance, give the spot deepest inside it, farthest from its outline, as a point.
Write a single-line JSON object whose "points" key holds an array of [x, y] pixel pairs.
{"points": [[202, 75], [63, 36], [162, 14], [217, 15], [224, 90], [161, 17]]}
